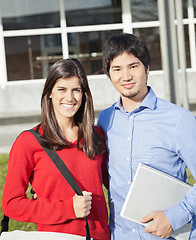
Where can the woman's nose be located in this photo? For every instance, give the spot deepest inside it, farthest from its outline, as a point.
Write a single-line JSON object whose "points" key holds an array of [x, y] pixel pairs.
{"points": [[69, 96]]}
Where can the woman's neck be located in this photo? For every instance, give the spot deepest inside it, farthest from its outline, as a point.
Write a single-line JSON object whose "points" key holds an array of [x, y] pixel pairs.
{"points": [[70, 130]]}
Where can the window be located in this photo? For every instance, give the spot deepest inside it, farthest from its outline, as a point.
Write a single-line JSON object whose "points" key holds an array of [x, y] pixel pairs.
{"points": [[88, 47], [92, 12], [152, 40], [145, 26], [29, 57], [144, 10], [31, 14], [194, 5]]}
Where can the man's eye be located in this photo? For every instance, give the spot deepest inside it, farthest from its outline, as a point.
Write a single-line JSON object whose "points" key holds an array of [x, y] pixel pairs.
{"points": [[133, 66]]}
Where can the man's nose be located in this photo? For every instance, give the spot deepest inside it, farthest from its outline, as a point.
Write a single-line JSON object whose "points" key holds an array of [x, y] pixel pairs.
{"points": [[126, 75]]}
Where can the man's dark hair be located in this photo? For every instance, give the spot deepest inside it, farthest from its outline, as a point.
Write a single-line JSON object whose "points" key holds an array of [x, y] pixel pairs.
{"points": [[128, 43]]}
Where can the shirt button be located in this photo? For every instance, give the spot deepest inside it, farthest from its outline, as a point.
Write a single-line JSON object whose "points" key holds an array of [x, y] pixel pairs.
{"points": [[128, 159], [128, 182], [128, 138], [130, 117], [133, 230]]}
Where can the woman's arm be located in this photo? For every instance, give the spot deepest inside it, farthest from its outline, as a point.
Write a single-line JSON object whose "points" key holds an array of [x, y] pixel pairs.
{"points": [[15, 203]]}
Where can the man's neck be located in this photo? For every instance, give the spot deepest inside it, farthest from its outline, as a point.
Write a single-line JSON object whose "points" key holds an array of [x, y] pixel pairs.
{"points": [[130, 104]]}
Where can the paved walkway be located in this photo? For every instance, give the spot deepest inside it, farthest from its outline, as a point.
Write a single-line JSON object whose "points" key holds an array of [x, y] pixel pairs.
{"points": [[8, 134]]}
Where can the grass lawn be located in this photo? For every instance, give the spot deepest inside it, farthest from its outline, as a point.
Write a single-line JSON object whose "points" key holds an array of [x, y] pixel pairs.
{"points": [[13, 225]]}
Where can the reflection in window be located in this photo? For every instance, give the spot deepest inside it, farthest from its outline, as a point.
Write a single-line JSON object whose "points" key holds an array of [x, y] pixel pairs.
{"points": [[185, 8], [151, 38], [187, 47], [88, 47], [30, 57], [23, 14], [92, 12], [144, 10], [185, 5]]}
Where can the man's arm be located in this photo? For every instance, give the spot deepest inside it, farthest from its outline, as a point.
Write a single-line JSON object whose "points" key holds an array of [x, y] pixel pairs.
{"points": [[184, 211], [169, 220]]}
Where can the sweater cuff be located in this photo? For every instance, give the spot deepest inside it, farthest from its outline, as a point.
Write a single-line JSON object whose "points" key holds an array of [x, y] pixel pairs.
{"points": [[69, 209], [177, 216]]}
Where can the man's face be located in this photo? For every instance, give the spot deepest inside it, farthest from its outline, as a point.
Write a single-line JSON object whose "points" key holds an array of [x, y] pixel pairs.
{"points": [[129, 77]]}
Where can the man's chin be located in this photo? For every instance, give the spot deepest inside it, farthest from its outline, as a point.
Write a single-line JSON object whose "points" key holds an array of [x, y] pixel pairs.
{"points": [[130, 95]]}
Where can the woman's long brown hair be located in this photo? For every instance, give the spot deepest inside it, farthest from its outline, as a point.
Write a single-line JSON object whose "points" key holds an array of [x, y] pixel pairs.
{"points": [[88, 139]]}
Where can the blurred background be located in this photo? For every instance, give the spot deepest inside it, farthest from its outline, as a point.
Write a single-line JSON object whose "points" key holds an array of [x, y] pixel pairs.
{"points": [[34, 34]]}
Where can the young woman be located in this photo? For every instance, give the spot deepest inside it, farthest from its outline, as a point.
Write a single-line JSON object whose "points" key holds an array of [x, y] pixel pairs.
{"points": [[67, 119]]}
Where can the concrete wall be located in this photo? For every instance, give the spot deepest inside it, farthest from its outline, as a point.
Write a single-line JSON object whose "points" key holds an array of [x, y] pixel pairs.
{"points": [[20, 102], [22, 98]]}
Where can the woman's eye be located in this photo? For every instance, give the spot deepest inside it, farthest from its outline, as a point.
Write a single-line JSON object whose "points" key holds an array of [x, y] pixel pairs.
{"points": [[78, 90]]}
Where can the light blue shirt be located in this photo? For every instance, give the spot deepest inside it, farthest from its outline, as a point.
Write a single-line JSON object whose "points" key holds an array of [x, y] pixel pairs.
{"points": [[159, 134]]}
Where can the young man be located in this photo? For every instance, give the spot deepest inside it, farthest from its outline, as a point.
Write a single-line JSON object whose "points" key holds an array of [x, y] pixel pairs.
{"points": [[141, 127]]}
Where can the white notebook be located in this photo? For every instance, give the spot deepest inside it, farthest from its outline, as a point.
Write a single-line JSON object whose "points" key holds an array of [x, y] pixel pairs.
{"points": [[153, 190]]}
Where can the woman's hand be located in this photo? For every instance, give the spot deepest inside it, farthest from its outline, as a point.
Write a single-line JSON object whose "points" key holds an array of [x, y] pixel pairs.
{"points": [[82, 204]]}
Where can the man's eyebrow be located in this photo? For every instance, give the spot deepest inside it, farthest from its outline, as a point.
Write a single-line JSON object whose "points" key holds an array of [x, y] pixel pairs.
{"points": [[130, 64]]}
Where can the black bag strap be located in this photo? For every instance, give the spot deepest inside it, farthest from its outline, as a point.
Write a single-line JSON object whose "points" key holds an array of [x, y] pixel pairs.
{"points": [[59, 164], [4, 224], [66, 174]]}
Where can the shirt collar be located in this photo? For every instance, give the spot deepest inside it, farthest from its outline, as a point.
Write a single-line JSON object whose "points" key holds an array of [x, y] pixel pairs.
{"points": [[148, 102]]}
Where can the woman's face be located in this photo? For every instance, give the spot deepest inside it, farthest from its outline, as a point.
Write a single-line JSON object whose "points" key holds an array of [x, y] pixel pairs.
{"points": [[66, 97]]}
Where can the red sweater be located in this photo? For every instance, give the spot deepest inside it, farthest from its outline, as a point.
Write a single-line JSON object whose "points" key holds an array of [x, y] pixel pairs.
{"points": [[53, 210]]}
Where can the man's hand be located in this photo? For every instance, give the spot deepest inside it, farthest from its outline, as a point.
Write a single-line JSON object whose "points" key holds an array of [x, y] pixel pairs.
{"points": [[82, 204], [32, 191], [160, 227]]}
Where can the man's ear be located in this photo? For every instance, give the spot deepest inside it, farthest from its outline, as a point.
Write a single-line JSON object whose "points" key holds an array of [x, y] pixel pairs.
{"points": [[147, 70]]}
